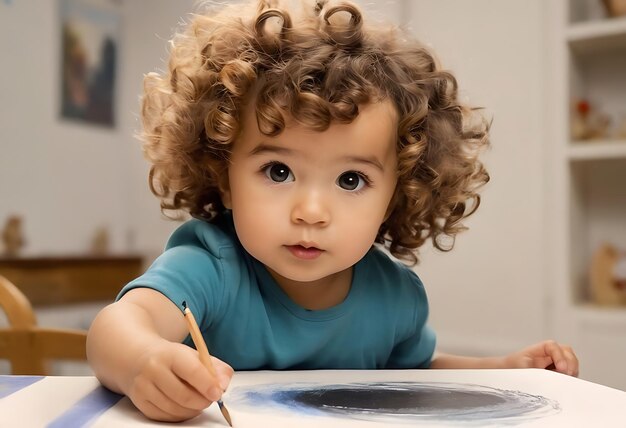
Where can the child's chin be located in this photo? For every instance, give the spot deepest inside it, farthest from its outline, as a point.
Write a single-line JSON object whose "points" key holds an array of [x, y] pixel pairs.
{"points": [[304, 274]]}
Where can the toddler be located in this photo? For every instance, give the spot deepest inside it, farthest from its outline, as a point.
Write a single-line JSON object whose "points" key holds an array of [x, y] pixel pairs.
{"points": [[302, 141]]}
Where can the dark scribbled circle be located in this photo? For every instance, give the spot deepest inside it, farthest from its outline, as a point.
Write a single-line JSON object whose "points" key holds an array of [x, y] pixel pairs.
{"points": [[398, 402]]}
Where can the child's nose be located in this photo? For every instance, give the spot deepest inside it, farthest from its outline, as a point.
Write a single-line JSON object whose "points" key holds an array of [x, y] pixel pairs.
{"points": [[311, 208]]}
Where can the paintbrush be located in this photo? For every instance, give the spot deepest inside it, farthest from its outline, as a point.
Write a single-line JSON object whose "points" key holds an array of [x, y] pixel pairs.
{"points": [[203, 351]]}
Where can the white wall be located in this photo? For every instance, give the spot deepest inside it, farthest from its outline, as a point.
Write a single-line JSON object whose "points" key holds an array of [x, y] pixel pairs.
{"points": [[489, 293], [66, 179], [147, 33]]}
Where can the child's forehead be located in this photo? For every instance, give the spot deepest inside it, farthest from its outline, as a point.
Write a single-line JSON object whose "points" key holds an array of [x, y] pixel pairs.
{"points": [[374, 129]]}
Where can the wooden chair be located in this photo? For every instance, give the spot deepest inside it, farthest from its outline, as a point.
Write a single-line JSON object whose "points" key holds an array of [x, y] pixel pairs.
{"points": [[29, 347]]}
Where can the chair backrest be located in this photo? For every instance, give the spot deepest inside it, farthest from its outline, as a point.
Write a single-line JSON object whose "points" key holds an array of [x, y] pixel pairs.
{"points": [[29, 347]]}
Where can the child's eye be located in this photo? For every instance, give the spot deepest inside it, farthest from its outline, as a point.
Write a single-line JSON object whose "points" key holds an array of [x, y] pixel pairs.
{"points": [[352, 181], [278, 172]]}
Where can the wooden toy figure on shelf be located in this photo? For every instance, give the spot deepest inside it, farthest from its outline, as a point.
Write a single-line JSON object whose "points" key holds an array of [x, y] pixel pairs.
{"points": [[100, 242], [615, 8], [12, 236], [608, 276]]}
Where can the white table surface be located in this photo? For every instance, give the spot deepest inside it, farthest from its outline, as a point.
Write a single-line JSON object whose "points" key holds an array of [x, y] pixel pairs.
{"points": [[270, 399]]}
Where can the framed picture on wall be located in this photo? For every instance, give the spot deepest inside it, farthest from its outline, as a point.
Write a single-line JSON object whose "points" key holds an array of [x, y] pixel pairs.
{"points": [[89, 54]]}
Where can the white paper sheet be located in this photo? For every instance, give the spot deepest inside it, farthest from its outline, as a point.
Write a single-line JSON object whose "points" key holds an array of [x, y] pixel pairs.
{"points": [[345, 399]]}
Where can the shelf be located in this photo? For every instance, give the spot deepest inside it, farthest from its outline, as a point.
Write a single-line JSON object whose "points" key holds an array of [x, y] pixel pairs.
{"points": [[589, 192], [597, 150], [594, 314], [600, 35]]}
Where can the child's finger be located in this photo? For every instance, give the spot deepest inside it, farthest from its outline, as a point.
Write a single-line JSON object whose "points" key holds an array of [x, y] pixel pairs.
{"points": [[181, 392], [191, 370], [572, 361], [224, 372], [153, 412], [167, 408], [555, 352]]}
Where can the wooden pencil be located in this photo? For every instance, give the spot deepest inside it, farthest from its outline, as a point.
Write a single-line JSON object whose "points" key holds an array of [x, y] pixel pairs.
{"points": [[203, 351]]}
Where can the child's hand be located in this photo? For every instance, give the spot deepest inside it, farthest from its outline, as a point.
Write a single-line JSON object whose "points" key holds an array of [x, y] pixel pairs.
{"points": [[547, 354], [171, 384]]}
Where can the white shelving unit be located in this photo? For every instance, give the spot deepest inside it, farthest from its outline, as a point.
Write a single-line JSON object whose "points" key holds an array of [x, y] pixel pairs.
{"points": [[598, 150], [588, 181], [601, 34]]}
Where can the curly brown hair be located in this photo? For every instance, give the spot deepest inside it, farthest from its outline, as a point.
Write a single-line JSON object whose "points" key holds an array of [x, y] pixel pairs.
{"points": [[317, 66]]}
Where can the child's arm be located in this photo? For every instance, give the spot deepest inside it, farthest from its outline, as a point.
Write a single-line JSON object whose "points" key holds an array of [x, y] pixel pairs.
{"points": [[134, 348], [541, 355]]}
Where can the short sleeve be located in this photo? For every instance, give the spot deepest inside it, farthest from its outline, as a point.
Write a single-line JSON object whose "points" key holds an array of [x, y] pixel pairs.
{"points": [[416, 349], [186, 273], [416, 352]]}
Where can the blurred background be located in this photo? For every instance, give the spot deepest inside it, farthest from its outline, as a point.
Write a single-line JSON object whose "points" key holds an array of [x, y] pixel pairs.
{"points": [[544, 256]]}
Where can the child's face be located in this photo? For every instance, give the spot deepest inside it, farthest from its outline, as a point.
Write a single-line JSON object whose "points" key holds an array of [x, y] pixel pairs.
{"points": [[308, 204]]}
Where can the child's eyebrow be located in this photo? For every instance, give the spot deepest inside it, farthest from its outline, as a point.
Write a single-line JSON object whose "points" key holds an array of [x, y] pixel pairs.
{"points": [[268, 148], [370, 160], [265, 148]]}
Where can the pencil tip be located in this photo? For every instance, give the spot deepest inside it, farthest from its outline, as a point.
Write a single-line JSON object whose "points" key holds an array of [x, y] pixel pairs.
{"points": [[225, 412], [184, 304]]}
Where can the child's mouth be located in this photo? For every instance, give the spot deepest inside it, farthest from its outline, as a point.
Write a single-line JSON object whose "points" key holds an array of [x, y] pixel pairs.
{"points": [[304, 253]]}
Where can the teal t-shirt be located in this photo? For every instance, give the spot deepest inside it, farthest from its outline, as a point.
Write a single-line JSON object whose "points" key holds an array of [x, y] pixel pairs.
{"points": [[250, 323]]}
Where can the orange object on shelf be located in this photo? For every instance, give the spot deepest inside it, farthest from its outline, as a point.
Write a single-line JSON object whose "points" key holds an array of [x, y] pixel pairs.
{"points": [[608, 285], [615, 7]]}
